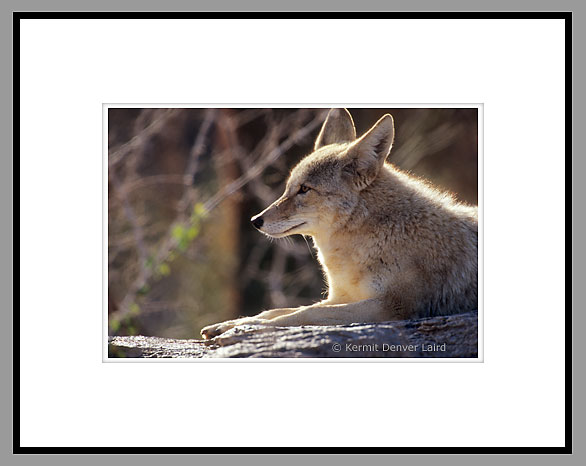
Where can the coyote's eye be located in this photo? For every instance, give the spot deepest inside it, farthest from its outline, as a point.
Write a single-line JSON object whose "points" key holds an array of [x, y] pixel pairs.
{"points": [[303, 189]]}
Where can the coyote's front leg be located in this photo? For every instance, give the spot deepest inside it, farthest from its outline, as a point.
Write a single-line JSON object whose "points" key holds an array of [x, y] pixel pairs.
{"points": [[369, 310], [261, 319]]}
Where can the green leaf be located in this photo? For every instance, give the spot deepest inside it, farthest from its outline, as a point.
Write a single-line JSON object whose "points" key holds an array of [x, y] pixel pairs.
{"points": [[199, 210], [114, 325], [134, 309], [178, 232], [192, 232], [164, 269]]}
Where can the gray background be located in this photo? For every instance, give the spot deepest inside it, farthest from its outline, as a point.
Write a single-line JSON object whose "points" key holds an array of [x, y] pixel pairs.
{"points": [[6, 187]]}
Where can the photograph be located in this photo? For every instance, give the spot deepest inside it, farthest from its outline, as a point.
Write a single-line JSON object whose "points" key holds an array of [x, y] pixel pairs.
{"points": [[292, 232], [243, 221]]}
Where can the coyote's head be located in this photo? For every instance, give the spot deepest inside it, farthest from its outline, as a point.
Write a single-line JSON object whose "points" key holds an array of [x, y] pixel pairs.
{"points": [[325, 187]]}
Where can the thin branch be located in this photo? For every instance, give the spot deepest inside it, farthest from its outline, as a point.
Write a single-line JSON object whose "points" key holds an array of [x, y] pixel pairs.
{"points": [[139, 139], [259, 167], [131, 217]]}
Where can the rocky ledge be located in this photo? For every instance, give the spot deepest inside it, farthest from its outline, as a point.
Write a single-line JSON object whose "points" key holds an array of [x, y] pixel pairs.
{"points": [[453, 336]]}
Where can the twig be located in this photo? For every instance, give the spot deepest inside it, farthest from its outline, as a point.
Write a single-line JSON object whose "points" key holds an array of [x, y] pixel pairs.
{"points": [[259, 167], [131, 217], [139, 139]]}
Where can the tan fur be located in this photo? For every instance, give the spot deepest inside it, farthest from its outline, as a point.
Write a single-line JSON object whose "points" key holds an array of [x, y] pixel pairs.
{"points": [[391, 246]]}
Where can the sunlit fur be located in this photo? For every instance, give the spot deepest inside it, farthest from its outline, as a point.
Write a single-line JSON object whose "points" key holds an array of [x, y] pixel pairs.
{"points": [[391, 245]]}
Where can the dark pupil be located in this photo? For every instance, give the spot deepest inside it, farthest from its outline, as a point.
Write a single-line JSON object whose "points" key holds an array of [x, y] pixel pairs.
{"points": [[303, 189]]}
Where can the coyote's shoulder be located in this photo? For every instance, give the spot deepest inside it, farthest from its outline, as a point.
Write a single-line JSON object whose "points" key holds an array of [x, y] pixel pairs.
{"points": [[391, 245]]}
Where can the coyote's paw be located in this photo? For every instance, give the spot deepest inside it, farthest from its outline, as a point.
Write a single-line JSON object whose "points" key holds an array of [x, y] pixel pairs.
{"points": [[214, 330]]}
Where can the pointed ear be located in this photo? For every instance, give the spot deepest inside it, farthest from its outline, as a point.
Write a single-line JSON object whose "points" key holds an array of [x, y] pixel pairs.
{"points": [[338, 128], [368, 154]]}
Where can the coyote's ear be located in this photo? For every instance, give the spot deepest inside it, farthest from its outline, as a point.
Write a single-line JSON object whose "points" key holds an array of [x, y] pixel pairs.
{"points": [[368, 154], [338, 128]]}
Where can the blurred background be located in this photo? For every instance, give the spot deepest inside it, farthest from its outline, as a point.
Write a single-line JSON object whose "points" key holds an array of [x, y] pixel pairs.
{"points": [[183, 184]]}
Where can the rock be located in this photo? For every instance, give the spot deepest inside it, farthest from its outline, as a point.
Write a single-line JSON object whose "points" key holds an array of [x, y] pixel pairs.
{"points": [[453, 336]]}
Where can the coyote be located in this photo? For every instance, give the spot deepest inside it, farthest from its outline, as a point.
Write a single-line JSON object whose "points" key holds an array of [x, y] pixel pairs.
{"points": [[391, 246]]}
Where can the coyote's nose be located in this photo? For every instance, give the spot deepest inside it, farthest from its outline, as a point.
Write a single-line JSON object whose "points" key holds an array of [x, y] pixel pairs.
{"points": [[257, 222]]}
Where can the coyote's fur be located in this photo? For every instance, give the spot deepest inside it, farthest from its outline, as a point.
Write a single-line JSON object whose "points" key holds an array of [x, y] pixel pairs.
{"points": [[391, 246]]}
